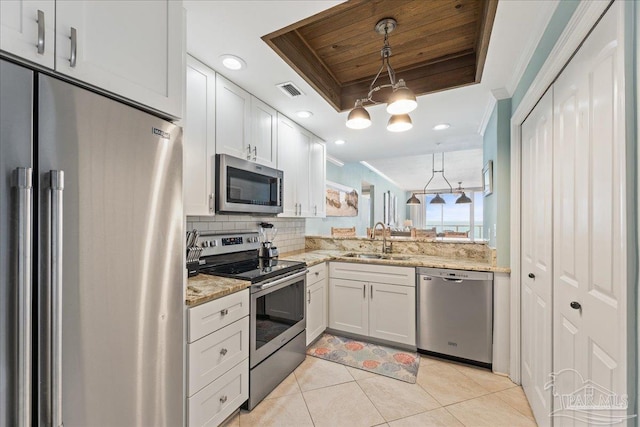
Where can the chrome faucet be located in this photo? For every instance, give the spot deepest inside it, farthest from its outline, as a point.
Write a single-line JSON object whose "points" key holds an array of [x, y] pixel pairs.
{"points": [[385, 249]]}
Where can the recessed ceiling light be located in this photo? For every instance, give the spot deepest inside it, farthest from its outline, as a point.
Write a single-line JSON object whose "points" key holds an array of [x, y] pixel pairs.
{"points": [[442, 126], [233, 62], [304, 114], [339, 141]]}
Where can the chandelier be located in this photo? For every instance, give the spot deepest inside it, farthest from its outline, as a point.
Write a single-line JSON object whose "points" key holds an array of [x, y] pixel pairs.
{"points": [[437, 200], [401, 101]]}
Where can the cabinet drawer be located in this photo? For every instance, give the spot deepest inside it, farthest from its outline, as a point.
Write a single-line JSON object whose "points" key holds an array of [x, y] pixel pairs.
{"points": [[211, 405], [210, 317], [213, 355], [316, 273], [404, 276]]}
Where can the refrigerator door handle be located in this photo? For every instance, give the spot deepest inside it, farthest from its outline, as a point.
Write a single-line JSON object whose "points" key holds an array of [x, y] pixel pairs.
{"points": [[57, 186], [22, 181]]}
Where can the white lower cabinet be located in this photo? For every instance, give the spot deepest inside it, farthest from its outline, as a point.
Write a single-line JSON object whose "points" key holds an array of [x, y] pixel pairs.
{"points": [[316, 301], [373, 300], [218, 359]]}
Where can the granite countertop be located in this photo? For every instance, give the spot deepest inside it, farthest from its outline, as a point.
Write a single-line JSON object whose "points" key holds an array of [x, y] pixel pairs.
{"points": [[408, 260], [204, 288]]}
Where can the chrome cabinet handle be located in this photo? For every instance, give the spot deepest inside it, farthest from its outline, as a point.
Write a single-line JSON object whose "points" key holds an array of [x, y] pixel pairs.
{"points": [[211, 203], [315, 210], [223, 399], [40, 21], [255, 152], [371, 292], [74, 47], [364, 291], [23, 181], [57, 187], [249, 152], [224, 311], [223, 351], [309, 296]]}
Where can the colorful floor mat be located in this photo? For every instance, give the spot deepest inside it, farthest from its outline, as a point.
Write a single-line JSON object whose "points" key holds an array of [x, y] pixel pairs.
{"points": [[399, 364]]}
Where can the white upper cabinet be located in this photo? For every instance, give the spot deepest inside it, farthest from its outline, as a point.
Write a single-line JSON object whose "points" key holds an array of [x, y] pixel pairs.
{"points": [[264, 133], [246, 126], [302, 158], [199, 140], [27, 30], [130, 48], [317, 177], [288, 142], [233, 119]]}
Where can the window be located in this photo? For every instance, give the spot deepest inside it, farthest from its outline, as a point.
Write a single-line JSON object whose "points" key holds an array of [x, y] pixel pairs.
{"points": [[451, 218]]}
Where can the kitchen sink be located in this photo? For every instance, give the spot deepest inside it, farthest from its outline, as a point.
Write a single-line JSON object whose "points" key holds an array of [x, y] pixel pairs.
{"points": [[377, 256], [364, 256]]}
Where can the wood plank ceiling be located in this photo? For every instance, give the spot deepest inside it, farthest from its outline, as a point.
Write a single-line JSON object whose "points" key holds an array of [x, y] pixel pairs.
{"points": [[437, 45]]}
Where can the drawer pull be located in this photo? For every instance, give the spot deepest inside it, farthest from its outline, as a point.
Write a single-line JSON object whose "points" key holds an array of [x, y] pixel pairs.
{"points": [[223, 351], [223, 399], [224, 311], [317, 273]]}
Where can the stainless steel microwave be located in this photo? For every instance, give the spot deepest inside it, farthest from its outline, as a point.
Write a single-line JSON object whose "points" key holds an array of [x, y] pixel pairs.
{"points": [[247, 187]]}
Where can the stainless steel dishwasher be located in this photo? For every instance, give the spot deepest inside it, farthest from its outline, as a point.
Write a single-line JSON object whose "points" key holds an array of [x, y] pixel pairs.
{"points": [[455, 314]]}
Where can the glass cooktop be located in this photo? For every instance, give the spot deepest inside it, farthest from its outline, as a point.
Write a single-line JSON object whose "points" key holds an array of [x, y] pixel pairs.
{"points": [[256, 270]]}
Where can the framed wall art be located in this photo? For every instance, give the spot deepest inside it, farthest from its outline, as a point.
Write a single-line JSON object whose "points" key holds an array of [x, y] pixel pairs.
{"points": [[487, 178]]}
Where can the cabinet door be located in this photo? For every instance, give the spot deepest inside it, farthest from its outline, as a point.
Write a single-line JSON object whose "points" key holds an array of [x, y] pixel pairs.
{"points": [[317, 176], [304, 141], [233, 112], [133, 49], [288, 162], [199, 139], [23, 35], [316, 310], [349, 306], [264, 135], [392, 313]]}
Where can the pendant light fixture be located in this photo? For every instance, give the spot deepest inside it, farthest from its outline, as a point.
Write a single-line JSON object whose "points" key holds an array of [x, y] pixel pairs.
{"points": [[401, 101], [463, 198], [436, 200]]}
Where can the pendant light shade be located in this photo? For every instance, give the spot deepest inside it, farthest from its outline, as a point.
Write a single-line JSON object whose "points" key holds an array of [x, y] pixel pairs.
{"points": [[399, 123], [358, 117], [437, 200], [463, 199], [402, 99], [413, 200]]}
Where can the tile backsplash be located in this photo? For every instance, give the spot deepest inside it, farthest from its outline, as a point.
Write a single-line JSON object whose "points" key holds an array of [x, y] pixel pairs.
{"points": [[290, 235]]}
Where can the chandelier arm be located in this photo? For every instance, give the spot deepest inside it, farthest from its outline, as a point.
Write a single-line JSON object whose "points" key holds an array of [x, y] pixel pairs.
{"points": [[375, 89], [376, 77], [391, 72]]}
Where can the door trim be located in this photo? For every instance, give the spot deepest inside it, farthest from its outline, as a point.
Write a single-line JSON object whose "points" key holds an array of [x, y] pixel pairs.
{"points": [[577, 29]]}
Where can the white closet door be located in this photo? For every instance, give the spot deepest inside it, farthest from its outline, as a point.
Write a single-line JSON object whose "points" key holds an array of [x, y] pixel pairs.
{"points": [[536, 241], [589, 219]]}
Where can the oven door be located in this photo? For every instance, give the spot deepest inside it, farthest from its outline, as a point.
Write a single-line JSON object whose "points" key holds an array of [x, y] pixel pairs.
{"points": [[247, 187], [277, 315]]}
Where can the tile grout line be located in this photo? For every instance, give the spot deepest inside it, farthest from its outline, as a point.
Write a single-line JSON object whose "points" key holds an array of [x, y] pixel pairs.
{"points": [[369, 399]]}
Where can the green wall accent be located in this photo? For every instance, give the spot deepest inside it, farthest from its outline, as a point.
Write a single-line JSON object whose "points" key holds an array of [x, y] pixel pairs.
{"points": [[352, 175], [556, 26], [497, 210]]}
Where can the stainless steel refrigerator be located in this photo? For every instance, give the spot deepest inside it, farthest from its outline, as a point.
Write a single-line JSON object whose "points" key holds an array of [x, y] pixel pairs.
{"points": [[91, 262]]}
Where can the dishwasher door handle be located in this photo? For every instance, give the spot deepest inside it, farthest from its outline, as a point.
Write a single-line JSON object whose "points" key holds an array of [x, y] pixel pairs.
{"points": [[452, 280]]}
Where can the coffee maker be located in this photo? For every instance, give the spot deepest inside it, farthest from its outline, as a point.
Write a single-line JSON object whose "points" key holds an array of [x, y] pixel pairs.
{"points": [[267, 235]]}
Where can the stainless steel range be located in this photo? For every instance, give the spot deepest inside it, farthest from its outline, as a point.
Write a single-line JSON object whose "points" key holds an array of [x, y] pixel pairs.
{"points": [[277, 316]]}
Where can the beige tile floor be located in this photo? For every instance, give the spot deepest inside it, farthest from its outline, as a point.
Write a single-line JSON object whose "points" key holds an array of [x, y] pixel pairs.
{"points": [[321, 393]]}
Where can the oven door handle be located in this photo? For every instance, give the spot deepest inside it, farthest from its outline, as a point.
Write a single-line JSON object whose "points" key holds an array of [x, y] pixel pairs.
{"points": [[280, 281]]}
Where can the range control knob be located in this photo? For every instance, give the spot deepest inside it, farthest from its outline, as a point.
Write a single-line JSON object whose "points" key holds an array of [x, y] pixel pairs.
{"points": [[205, 244], [213, 243]]}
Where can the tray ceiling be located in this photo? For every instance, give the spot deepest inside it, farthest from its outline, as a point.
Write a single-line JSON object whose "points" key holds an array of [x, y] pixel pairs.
{"points": [[437, 45]]}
